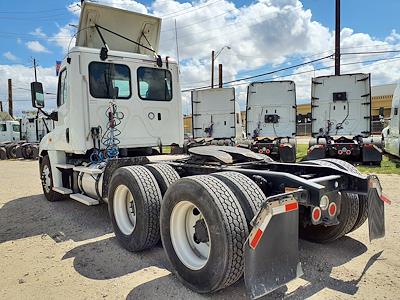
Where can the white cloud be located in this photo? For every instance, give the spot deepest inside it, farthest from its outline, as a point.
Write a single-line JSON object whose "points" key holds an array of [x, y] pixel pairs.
{"points": [[64, 38], [38, 32], [36, 46], [263, 35], [19, 41], [8, 55]]}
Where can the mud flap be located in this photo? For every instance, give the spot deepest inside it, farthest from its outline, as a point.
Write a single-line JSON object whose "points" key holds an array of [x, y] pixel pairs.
{"points": [[376, 209], [272, 251], [287, 153], [316, 152]]}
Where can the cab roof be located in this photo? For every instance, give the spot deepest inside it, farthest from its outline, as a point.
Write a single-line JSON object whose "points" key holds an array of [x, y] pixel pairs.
{"points": [[143, 29]]}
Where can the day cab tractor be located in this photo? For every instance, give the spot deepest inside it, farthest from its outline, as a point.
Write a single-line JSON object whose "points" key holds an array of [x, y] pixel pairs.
{"points": [[271, 119], [221, 212], [9, 137], [216, 117], [391, 134], [341, 120]]}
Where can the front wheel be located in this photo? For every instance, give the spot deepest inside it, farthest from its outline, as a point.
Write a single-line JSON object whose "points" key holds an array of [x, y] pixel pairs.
{"points": [[203, 230], [47, 179]]}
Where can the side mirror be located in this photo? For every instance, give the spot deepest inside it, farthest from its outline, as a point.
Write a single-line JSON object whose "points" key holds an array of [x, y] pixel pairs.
{"points": [[37, 94]]}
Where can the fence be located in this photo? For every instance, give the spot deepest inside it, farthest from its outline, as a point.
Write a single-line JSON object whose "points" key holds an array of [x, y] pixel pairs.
{"points": [[304, 129]]}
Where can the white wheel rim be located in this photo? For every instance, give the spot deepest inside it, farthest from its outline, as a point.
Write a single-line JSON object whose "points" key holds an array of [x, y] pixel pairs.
{"points": [[46, 178], [124, 209], [192, 254]]}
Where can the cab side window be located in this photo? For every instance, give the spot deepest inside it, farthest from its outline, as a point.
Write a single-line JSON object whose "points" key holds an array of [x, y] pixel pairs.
{"points": [[3, 127], [62, 88], [396, 111], [106, 77], [154, 84]]}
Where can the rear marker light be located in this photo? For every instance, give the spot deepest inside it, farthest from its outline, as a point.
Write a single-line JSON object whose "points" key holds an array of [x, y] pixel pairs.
{"points": [[348, 152], [260, 151], [340, 152], [268, 151], [332, 209]]}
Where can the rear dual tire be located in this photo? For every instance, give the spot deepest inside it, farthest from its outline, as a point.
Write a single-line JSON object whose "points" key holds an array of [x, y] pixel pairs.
{"points": [[224, 230], [134, 204]]}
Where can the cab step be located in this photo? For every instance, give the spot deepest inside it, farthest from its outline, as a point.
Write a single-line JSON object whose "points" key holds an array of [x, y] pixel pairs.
{"points": [[93, 171], [62, 190], [84, 199], [64, 166]]}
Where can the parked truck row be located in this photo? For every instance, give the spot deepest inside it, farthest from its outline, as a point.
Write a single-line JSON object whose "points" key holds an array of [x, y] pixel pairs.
{"points": [[20, 138], [340, 118], [221, 212]]}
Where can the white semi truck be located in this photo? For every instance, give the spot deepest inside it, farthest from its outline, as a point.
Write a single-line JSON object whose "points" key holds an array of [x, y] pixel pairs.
{"points": [[271, 119], [341, 119], [216, 117], [20, 138], [10, 131], [221, 212], [391, 134]]}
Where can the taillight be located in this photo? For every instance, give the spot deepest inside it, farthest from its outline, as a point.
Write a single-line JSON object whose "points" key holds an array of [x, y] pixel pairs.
{"points": [[316, 214], [332, 209]]}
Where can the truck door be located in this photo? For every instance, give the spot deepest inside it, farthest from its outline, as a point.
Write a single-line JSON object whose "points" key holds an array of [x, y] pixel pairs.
{"points": [[63, 131]]}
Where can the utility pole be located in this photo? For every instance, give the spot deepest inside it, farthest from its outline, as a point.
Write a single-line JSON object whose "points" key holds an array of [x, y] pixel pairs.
{"points": [[337, 38], [212, 68], [220, 75], [34, 67], [10, 100], [177, 45], [1, 106]]}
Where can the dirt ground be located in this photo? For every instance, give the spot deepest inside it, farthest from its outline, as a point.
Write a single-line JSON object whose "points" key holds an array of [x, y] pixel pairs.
{"points": [[66, 250]]}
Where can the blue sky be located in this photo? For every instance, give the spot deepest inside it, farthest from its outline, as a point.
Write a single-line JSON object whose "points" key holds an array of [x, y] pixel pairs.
{"points": [[18, 18], [262, 44]]}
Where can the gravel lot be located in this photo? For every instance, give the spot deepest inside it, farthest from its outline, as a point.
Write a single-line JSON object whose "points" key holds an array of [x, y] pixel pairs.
{"points": [[66, 250]]}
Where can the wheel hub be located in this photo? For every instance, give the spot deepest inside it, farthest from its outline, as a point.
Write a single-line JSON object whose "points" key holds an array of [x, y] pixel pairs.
{"points": [[190, 235], [200, 232]]}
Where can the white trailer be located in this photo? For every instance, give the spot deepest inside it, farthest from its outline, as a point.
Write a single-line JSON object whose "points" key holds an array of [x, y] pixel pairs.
{"points": [[221, 212], [391, 134], [216, 117], [271, 119], [341, 119]]}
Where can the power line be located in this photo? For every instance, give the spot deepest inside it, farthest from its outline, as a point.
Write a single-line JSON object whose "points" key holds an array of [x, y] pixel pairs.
{"points": [[269, 73], [229, 83], [187, 10]]}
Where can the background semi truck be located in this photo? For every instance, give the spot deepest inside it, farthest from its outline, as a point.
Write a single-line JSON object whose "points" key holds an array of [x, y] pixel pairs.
{"points": [[20, 138], [341, 119], [216, 117], [221, 212], [271, 119], [391, 134]]}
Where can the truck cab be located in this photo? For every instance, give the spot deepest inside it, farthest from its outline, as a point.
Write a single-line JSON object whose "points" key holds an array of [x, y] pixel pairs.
{"points": [[130, 81], [9, 131], [271, 119], [391, 134], [216, 117], [341, 119]]}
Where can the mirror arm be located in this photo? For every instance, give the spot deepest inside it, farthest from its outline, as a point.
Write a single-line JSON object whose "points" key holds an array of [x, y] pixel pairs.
{"points": [[53, 115]]}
